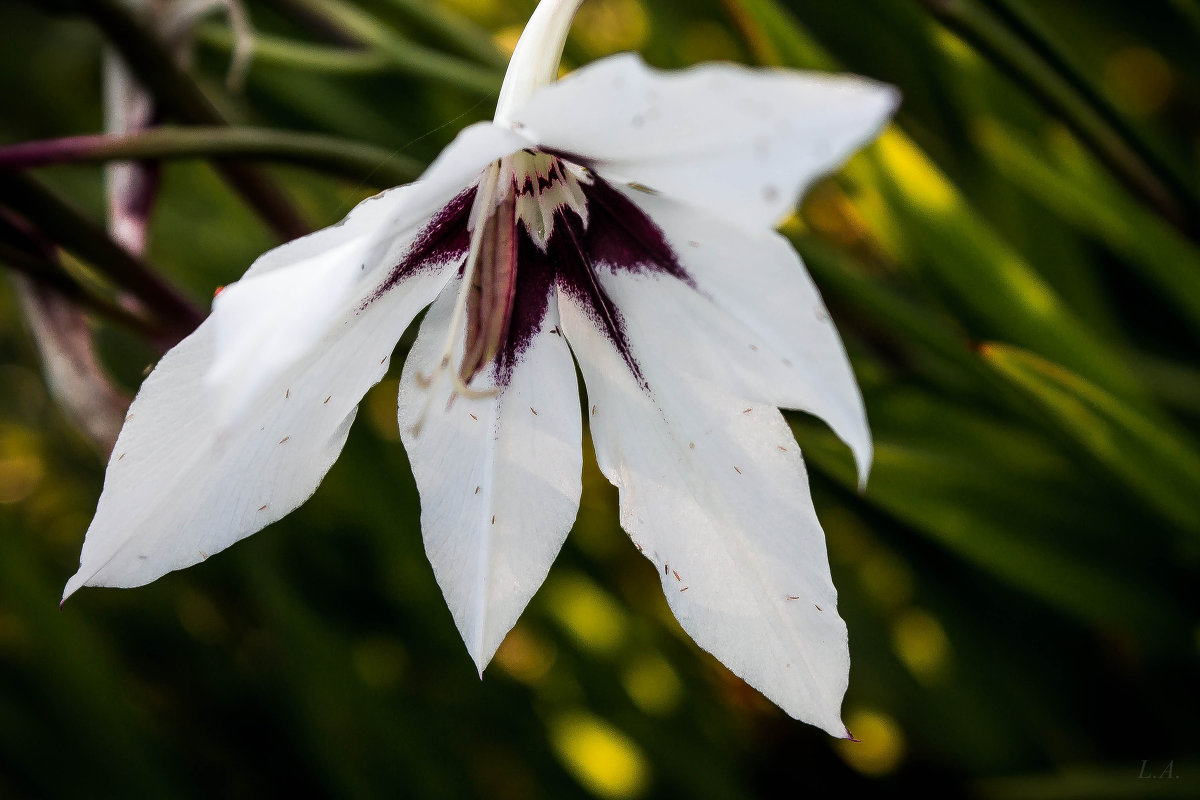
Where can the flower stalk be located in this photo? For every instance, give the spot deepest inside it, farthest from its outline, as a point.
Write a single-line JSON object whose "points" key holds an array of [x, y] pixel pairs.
{"points": [[351, 26], [356, 161], [178, 95], [75, 232]]}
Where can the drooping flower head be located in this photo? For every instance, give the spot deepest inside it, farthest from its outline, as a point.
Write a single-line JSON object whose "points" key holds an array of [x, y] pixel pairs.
{"points": [[620, 219]]}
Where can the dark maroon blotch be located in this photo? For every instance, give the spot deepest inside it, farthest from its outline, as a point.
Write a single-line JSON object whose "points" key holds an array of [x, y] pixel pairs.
{"points": [[444, 239]]}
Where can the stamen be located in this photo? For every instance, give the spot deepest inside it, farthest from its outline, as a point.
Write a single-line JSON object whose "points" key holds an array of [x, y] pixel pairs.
{"points": [[485, 206]]}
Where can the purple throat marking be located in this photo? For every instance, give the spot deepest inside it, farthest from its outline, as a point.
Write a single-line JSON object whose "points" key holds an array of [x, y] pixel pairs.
{"points": [[618, 237]]}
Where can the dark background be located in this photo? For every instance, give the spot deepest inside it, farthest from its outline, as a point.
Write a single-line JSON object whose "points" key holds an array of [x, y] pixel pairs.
{"points": [[1018, 579]]}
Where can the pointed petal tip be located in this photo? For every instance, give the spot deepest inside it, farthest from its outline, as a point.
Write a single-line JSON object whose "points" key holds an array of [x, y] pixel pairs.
{"points": [[849, 737], [864, 459], [76, 582], [864, 474]]}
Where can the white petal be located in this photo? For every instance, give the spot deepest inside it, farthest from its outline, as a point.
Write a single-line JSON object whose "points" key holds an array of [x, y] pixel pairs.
{"points": [[499, 476], [180, 486], [128, 108], [741, 142], [290, 350], [289, 298], [714, 492], [754, 321]]}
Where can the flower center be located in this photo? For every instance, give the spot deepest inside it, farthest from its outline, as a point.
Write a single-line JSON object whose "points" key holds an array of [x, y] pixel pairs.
{"points": [[530, 190]]}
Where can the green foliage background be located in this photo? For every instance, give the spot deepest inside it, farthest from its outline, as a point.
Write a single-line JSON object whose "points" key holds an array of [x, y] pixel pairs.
{"points": [[1018, 579]]}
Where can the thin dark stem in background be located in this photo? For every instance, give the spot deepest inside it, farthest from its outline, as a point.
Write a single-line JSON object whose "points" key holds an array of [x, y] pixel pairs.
{"points": [[32, 261], [352, 160], [179, 96], [75, 232]]}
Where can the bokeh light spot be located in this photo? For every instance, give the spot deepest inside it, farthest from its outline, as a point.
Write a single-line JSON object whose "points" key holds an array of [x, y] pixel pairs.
{"points": [[586, 611], [886, 578], [607, 26], [653, 684], [525, 656], [604, 760], [20, 465], [880, 746], [921, 643], [1139, 80]]}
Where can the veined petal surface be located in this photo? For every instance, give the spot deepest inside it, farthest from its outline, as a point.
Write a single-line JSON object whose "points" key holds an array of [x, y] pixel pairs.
{"points": [[312, 278], [181, 485], [499, 476], [751, 318], [238, 424], [741, 142], [714, 492]]}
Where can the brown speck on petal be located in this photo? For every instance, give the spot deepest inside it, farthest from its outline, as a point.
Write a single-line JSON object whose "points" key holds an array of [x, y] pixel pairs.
{"points": [[738, 470], [327, 399], [287, 394], [691, 445], [475, 417], [817, 607], [476, 490], [676, 574], [493, 519], [262, 508], [284, 439], [748, 410], [684, 589], [120, 456], [793, 597], [534, 410], [593, 411], [203, 554], [784, 449]]}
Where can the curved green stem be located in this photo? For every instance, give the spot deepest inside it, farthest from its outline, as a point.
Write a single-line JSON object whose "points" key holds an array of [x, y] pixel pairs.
{"points": [[353, 25], [468, 38], [352, 160], [279, 51]]}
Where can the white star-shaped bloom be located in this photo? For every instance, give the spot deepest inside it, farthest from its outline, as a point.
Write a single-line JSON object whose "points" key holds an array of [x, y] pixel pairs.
{"points": [[620, 219]]}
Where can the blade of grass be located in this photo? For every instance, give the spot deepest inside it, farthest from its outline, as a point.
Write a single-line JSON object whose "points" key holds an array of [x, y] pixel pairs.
{"points": [[1156, 461], [1168, 260], [1016, 47]]}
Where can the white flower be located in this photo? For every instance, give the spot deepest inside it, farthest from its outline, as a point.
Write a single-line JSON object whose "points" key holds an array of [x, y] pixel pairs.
{"points": [[690, 319]]}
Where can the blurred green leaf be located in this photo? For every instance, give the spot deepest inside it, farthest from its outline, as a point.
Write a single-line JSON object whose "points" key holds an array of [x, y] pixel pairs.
{"points": [[1152, 457]]}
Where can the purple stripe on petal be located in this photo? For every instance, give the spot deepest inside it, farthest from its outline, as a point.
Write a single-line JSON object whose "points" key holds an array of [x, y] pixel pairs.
{"points": [[535, 278], [577, 278], [444, 239], [621, 236]]}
